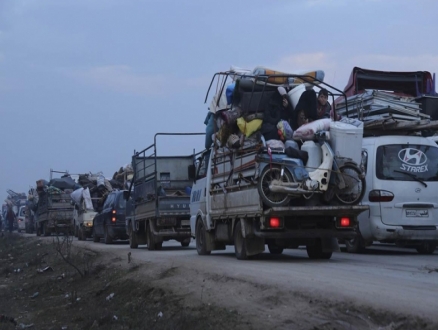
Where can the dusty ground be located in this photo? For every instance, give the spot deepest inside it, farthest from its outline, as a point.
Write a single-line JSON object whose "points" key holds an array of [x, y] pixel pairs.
{"points": [[119, 292]]}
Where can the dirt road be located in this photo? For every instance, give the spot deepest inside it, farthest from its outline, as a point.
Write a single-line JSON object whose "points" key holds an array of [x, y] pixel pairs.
{"points": [[386, 287]]}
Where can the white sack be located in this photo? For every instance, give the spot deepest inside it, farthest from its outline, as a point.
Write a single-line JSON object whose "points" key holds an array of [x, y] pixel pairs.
{"points": [[76, 195], [87, 199], [307, 131]]}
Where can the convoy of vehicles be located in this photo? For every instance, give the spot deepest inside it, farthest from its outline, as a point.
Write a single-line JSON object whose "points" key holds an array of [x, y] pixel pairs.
{"points": [[252, 195]]}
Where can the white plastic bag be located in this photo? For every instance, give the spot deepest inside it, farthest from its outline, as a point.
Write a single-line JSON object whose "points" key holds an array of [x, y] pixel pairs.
{"points": [[76, 195], [307, 131], [87, 199]]}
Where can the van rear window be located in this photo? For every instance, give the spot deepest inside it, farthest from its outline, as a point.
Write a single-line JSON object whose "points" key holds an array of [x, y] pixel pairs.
{"points": [[407, 162]]}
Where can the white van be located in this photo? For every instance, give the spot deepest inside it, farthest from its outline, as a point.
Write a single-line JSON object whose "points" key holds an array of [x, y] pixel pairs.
{"points": [[401, 190]]}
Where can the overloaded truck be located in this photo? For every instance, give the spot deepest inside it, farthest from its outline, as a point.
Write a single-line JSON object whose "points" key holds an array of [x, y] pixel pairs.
{"points": [[251, 192], [160, 191], [54, 210]]}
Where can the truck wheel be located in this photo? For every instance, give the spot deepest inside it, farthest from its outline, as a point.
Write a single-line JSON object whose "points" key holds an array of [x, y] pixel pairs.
{"points": [[96, 239], [426, 247], [186, 242], [274, 249], [201, 246], [133, 243], [46, 231], [76, 234], [355, 245], [80, 235], [38, 230], [107, 238], [315, 251], [268, 175], [240, 242], [355, 189], [150, 241], [158, 246]]}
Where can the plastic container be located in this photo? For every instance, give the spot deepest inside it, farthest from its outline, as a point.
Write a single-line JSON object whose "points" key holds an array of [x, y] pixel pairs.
{"points": [[315, 155], [295, 94], [346, 140]]}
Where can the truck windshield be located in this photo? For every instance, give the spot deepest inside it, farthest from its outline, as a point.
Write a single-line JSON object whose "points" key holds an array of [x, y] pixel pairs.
{"points": [[407, 162]]}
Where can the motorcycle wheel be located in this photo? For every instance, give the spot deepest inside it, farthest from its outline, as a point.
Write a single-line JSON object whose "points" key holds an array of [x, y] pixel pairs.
{"points": [[353, 193], [273, 199]]}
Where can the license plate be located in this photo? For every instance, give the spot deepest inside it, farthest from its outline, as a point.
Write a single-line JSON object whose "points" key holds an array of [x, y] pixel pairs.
{"points": [[417, 213]]}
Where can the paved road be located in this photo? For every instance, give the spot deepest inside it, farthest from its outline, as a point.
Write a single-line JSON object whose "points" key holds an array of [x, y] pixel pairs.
{"points": [[384, 278]]}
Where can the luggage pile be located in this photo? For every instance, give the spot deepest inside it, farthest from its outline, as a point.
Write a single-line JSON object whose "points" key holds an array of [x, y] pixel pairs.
{"points": [[40, 203], [385, 111], [93, 190], [122, 178], [251, 107]]}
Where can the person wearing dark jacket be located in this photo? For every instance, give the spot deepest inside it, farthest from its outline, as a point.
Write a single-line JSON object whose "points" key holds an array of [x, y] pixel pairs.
{"points": [[10, 218], [310, 108], [322, 106]]}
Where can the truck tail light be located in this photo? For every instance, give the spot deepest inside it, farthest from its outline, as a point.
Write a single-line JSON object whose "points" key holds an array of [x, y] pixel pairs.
{"points": [[380, 196], [345, 222], [274, 222]]}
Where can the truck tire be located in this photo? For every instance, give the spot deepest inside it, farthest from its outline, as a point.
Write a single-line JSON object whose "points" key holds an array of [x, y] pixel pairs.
{"points": [[274, 249], [201, 245], [427, 247], [96, 239], [270, 198], [185, 242], [46, 232], [315, 251], [352, 176], [38, 230], [107, 238], [80, 234], [150, 239], [76, 234], [355, 245], [133, 243], [240, 242]]}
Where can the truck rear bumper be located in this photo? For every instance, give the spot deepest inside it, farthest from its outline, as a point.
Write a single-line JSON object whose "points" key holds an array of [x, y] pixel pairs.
{"points": [[171, 232], [307, 233]]}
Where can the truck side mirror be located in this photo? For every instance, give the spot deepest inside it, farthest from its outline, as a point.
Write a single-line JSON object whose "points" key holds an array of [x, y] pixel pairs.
{"points": [[192, 172]]}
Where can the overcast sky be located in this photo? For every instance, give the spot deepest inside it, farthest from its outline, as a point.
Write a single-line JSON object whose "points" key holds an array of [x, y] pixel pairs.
{"points": [[85, 82]]}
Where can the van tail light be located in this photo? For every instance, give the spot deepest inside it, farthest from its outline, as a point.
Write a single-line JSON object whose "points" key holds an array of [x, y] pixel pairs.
{"points": [[113, 219], [274, 222], [113, 211], [380, 196]]}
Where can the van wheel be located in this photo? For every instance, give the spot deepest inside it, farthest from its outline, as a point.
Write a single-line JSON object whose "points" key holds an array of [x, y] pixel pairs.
{"points": [[107, 238], [240, 243], [355, 189], [426, 247], [315, 251], [201, 244], [133, 242], [274, 249], [268, 175]]}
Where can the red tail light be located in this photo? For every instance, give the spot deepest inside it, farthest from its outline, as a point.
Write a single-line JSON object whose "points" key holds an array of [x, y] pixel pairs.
{"points": [[345, 222], [380, 196], [113, 211], [113, 219], [274, 222]]}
